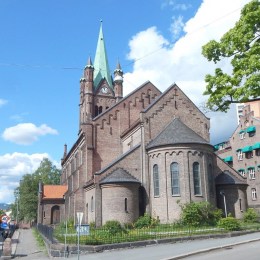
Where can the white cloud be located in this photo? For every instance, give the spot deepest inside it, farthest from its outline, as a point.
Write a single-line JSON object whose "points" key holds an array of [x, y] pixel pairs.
{"points": [[26, 133], [175, 6], [177, 26], [3, 102], [183, 62], [13, 167]]}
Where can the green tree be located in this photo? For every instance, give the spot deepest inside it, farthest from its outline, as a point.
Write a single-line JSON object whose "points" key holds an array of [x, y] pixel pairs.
{"points": [[27, 193], [241, 45]]}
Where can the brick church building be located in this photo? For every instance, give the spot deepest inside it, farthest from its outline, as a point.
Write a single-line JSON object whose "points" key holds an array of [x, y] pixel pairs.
{"points": [[146, 152]]}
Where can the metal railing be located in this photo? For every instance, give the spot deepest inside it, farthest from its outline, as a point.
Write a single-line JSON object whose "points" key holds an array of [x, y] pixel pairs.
{"points": [[99, 236], [47, 231]]}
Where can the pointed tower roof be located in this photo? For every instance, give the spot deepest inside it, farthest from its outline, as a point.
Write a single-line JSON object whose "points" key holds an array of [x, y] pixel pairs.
{"points": [[101, 63], [89, 63]]}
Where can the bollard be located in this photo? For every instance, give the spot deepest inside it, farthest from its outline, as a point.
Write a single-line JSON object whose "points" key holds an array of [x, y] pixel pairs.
{"points": [[7, 249]]}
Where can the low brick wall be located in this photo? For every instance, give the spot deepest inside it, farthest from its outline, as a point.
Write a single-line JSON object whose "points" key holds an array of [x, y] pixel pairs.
{"points": [[57, 249]]}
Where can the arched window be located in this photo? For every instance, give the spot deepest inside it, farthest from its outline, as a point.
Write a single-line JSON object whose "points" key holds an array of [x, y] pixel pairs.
{"points": [[100, 110], [92, 204], [175, 179], [156, 181], [96, 110], [126, 205], [196, 178], [210, 179]]}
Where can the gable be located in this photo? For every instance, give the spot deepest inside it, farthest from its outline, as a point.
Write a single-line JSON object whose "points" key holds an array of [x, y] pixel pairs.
{"points": [[176, 133]]}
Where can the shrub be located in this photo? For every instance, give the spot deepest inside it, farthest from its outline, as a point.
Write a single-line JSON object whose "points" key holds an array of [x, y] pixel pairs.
{"points": [[250, 215], [146, 221], [92, 224], [200, 213], [113, 227], [229, 223]]}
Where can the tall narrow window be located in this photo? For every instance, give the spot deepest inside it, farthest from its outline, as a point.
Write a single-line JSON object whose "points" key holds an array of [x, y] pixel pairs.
{"points": [[175, 179], [156, 181], [210, 179], [253, 192], [196, 178], [92, 204], [251, 173], [126, 205], [96, 110]]}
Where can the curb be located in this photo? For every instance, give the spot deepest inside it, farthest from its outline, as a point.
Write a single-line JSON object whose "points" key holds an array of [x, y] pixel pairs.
{"points": [[210, 249], [15, 241]]}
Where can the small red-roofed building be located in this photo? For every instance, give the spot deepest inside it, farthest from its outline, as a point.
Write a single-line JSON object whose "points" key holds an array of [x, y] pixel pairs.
{"points": [[51, 203]]}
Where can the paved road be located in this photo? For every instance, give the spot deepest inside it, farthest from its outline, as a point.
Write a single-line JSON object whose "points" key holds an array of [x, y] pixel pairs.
{"points": [[240, 252]]}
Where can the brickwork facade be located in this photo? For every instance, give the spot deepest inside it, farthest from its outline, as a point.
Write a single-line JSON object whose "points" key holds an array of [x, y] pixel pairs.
{"points": [[242, 151], [148, 152]]}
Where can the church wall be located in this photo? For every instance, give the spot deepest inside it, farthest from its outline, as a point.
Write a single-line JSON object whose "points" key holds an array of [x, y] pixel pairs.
{"points": [[114, 206], [170, 106], [89, 207], [132, 139], [167, 206], [131, 163], [235, 198], [114, 122]]}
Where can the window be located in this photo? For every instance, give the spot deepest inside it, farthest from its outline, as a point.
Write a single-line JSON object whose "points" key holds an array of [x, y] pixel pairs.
{"points": [[249, 155], [239, 155], [251, 173], [156, 181], [253, 193], [126, 205], [242, 172], [92, 204], [242, 135], [175, 179], [81, 157], [210, 179], [196, 178], [257, 152]]}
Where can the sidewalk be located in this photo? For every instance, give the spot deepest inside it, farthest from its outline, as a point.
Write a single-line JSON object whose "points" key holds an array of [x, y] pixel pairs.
{"points": [[24, 246]]}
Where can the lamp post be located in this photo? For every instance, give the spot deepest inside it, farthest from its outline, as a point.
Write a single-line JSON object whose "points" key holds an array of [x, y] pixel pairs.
{"points": [[222, 193]]}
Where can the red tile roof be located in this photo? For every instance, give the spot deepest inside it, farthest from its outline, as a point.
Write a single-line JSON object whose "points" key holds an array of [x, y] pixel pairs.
{"points": [[54, 191]]}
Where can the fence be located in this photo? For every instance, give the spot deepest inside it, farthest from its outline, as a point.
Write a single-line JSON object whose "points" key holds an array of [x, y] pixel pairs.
{"points": [[99, 236], [47, 231]]}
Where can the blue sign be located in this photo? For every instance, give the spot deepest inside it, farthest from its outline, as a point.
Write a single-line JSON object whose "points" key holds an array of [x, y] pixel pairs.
{"points": [[4, 225], [83, 229]]}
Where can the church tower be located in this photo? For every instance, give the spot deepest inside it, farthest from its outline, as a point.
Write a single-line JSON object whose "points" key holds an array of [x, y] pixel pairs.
{"points": [[98, 90]]}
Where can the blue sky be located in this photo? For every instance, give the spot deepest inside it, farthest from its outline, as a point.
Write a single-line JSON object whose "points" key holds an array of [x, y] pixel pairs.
{"points": [[45, 44]]}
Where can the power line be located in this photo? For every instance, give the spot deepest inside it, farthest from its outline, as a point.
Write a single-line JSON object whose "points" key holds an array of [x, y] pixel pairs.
{"points": [[127, 64]]}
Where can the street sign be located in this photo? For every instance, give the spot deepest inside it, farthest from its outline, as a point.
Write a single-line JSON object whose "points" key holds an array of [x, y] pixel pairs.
{"points": [[4, 225], [79, 217], [83, 229]]}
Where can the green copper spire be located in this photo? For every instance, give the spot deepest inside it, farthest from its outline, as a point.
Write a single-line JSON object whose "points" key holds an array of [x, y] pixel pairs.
{"points": [[101, 64]]}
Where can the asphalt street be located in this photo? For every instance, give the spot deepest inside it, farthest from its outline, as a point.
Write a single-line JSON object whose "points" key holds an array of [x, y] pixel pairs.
{"points": [[240, 252], [173, 251]]}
